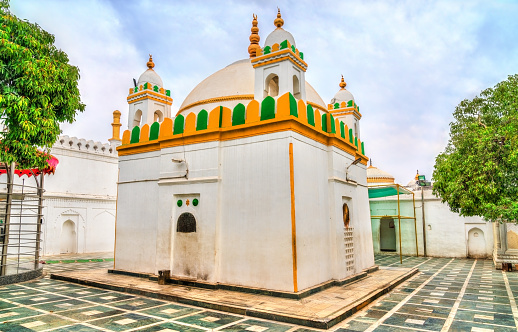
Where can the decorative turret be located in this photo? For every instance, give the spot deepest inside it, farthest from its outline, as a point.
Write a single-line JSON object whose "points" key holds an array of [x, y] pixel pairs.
{"points": [[116, 129], [254, 38], [343, 107], [279, 66], [148, 101]]}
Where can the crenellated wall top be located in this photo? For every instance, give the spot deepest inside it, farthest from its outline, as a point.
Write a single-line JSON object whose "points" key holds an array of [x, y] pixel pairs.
{"points": [[85, 146]]}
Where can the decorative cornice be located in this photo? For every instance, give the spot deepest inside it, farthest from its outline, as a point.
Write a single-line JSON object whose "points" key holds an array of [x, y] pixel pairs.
{"points": [[144, 94], [277, 56], [346, 111]]}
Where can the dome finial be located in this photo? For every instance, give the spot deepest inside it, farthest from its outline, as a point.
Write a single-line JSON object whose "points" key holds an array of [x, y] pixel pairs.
{"points": [[279, 22], [150, 63], [342, 83], [254, 38]]}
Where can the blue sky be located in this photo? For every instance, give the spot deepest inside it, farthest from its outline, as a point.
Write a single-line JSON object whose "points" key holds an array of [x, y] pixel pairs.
{"points": [[407, 63]]}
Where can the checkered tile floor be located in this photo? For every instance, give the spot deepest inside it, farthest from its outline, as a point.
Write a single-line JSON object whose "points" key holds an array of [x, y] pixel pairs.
{"points": [[448, 295]]}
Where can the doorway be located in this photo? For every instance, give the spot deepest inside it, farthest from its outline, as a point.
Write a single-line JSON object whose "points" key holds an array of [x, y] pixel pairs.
{"points": [[387, 235], [68, 239]]}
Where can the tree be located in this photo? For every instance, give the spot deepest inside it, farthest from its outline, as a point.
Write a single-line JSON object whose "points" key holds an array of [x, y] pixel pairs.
{"points": [[477, 174], [38, 91]]}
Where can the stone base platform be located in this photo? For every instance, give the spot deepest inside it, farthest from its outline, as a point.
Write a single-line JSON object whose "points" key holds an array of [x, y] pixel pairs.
{"points": [[320, 310]]}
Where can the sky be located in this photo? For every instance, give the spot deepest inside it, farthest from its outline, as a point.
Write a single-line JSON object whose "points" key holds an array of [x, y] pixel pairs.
{"points": [[407, 63]]}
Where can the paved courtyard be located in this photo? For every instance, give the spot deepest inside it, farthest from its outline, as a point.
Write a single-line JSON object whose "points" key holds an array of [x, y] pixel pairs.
{"points": [[447, 295]]}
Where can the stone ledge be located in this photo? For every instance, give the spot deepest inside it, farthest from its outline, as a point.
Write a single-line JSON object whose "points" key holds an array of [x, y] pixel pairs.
{"points": [[323, 309]]}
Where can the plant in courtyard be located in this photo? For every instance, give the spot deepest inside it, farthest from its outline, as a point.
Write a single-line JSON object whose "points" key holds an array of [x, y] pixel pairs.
{"points": [[477, 174], [38, 90]]}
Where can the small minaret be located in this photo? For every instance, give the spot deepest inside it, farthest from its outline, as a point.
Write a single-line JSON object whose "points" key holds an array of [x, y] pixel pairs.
{"points": [[344, 108], [279, 66], [116, 129], [148, 101]]}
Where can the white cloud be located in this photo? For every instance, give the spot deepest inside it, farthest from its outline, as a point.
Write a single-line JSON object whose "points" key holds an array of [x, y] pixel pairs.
{"points": [[408, 63]]}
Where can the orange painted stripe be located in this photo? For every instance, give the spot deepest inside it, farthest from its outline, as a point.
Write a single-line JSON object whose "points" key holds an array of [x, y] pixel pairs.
{"points": [[293, 225]]}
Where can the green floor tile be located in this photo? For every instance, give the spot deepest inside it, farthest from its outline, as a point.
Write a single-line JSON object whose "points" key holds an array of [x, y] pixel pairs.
{"points": [[77, 328], [17, 313], [91, 313], [108, 297], [415, 322], [37, 323], [63, 305], [209, 319], [170, 327], [39, 298], [124, 322], [170, 311], [137, 303], [256, 325]]}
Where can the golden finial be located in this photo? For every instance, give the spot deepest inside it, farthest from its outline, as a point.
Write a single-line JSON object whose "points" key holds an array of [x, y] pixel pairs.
{"points": [[279, 22], [417, 175], [150, 63], [342, 83], [254, 38]]}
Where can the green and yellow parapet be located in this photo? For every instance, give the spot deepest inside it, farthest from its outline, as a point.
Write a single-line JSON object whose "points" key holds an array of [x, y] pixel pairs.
{"points": [[223, 124]]}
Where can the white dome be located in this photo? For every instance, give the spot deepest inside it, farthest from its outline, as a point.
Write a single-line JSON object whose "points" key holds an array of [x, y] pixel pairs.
{"points": [[277, 36], [152, 77], [377, 176], [236, 79], [342, 95]]}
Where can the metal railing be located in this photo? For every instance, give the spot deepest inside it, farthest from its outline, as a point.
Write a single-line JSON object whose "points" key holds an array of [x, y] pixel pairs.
{"points": [[21, 207]]}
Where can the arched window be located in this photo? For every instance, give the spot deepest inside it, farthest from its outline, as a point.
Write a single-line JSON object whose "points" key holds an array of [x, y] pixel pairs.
{"points": [[347, 218], [272, 85], [137, 118], [186, 223], [296, 87], [158, 116]]}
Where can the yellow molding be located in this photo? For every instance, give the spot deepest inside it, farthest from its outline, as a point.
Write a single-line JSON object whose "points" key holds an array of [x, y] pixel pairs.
{"points": [[215, 100], [380, 180], [347, 111], [152, 98], [293, 224], [151, 92], [251, 129], [276, 53], [317, 106]]}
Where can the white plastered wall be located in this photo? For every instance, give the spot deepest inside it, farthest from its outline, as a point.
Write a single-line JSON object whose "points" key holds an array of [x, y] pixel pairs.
{"points": [[446, 231], [243, 218]]}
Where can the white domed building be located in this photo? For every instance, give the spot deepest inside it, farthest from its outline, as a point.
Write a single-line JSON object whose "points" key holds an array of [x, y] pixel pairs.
{"points": [[255, 183]]}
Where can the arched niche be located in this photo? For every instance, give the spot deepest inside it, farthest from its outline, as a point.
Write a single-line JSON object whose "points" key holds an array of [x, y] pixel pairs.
{"points": [[186, 223], [68, 238], [137, 118], [271, 85], [296, 87], [158, 116]]}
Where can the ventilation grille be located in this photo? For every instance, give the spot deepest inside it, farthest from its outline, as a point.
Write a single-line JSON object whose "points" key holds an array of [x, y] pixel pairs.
{"points": [[349, 249]]}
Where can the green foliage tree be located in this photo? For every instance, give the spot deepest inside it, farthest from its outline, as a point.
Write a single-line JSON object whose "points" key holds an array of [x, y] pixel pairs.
{"points": [[38, 91], [477, 174]]}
